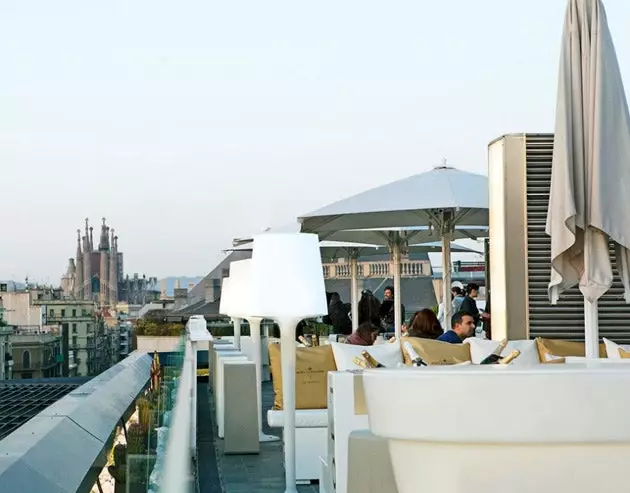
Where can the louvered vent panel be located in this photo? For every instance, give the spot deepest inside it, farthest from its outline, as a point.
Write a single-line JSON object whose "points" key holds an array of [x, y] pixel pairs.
{"points": [[566, 319]]}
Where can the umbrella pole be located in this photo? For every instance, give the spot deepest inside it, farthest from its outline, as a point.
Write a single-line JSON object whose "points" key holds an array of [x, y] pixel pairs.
{"points": [[591, 329], [446, 279], [397, 293], [354, 292]]}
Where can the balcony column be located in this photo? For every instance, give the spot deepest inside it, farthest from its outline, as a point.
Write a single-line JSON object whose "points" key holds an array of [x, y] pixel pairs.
{"points": [[395, 246], [447, 236], [354, 288]]}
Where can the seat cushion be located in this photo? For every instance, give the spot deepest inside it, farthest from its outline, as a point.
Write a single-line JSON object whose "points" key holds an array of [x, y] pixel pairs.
{"points": [[388, 355], [559, 347], [482, 348], [437, 352], [311, 376], [616, 351], [304, 418]]}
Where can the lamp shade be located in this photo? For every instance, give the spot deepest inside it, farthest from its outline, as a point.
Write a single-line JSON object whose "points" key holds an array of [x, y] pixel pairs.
{"points": [[224, 300], [241, 288], [287, 279]]}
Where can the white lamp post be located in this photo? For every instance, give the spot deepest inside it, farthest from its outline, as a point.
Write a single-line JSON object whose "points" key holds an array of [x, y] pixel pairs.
{"points": [[288, 286], [240, 275], [226, 307]]}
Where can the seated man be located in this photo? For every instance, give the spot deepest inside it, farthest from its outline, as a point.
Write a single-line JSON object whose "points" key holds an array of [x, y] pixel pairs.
{"points": [[462, 327]]}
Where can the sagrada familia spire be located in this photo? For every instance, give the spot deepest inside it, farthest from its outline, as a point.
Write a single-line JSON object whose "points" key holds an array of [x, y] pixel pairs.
{"points": [[94, 274]]}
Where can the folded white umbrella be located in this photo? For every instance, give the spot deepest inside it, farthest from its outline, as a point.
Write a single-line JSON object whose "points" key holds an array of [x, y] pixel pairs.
{"points": [[590, 181]]}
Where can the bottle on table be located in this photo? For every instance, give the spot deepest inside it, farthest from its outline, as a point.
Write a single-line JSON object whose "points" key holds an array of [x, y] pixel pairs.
{"points": [[510, 357], [494, 357], [416, 360], [371, 360]]}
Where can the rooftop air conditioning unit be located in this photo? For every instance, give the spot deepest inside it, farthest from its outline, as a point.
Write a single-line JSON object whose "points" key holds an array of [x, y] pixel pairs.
{"points": [[519, 172]]}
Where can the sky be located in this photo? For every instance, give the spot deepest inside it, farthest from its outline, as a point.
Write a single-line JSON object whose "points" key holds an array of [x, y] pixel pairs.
{"points": [[189, 123]]}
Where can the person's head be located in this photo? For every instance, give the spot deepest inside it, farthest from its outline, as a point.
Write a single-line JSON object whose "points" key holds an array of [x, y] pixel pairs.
{"points": [[334, 298], [463, 324], [368, 332], [472, 289], [457, 291], [388, 294], [369, 308], [425, 324]]}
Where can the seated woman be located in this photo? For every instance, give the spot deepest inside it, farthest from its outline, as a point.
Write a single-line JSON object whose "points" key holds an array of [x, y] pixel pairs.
{"points": [[425, 324], [365, 335], [369, 308]]}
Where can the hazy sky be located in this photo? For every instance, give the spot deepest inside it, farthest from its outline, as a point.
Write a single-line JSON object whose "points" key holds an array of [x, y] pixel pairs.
{"points": [[189, 122]]}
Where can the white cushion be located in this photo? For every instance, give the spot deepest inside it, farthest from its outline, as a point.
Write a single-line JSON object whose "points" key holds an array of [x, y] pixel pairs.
{"points": [[304, 418], [388, 355], [612, 349], [482, 348]]}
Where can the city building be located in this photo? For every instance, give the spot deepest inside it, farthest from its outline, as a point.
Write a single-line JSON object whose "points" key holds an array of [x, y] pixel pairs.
{"points": [[85, 340], [36, 355], [6, 355], [97, 274]]}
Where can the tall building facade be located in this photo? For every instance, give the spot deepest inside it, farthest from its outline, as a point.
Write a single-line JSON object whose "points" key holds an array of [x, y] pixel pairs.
{"points": [[96, 273]]}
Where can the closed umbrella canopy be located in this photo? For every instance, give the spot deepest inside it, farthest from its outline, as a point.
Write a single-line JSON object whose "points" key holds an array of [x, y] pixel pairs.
{"points": [[590, 182]]}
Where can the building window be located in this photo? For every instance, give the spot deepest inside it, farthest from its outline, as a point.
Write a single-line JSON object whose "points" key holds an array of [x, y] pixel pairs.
{"points": [[74, 328], [63, 312], [74, 341], [52, 312], [74, 312], [26, 359]]}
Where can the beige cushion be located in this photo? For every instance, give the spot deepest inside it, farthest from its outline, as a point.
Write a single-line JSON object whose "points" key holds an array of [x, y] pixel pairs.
{"points": [[561, 348], [311, 376], [437, 352]]}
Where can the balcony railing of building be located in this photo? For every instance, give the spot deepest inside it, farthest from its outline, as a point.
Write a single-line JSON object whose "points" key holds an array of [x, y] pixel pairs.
{"points": [[381, 268], [35, 366]]}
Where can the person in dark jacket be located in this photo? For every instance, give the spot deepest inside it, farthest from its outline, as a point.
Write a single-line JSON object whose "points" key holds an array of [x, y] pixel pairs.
{"points": [[462, 327], [369, 308], [469, 305], [338, 315], [387, 310]]}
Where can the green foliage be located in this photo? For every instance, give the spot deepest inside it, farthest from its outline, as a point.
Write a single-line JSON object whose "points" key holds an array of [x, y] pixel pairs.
{"points": [[118, 470], [146, 414], [148, 327], [135, 439], [315, 327], [435, 309]]}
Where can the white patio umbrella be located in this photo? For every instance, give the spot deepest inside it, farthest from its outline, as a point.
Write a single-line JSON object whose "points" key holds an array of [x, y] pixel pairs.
{"points": [[352, 251], [438, 200], [590, 177]]}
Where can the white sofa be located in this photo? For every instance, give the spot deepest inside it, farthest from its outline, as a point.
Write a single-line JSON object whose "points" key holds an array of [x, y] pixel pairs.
{"points": [[346, 413]]}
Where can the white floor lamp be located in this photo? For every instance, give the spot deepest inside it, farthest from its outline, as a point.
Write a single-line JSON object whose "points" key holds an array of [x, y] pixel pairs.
{"points": [[226, 307], [288, 286], [240, 274]]}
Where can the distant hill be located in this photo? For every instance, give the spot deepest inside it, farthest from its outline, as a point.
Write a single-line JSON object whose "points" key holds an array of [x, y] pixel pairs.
{"points": [[183, 283]]}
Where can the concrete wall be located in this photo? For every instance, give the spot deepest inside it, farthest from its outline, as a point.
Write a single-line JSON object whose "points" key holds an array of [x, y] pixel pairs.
{"points": [[161, 344]]}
